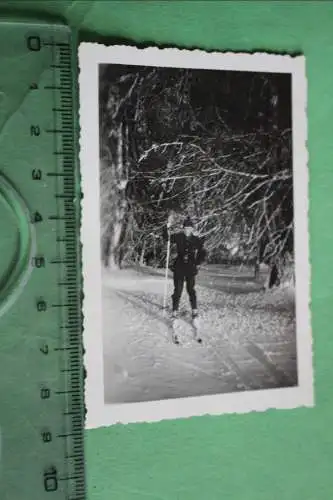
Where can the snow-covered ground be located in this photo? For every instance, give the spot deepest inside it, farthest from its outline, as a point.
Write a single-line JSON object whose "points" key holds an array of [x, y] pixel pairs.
{"points": [[249, 337]]}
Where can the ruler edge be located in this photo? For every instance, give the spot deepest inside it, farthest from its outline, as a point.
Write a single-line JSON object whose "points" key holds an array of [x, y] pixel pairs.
{"points": [[35, 22]]}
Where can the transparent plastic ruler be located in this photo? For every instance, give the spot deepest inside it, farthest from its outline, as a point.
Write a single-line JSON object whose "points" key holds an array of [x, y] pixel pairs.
{"points": [[41, 368]]}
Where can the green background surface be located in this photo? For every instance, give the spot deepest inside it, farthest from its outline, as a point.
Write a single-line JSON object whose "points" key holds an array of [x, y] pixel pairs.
{"points": [[261, 456]]}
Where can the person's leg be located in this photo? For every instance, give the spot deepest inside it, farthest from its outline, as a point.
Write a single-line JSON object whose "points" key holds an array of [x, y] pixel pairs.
{"points": [[190, 287], [178, 281]]}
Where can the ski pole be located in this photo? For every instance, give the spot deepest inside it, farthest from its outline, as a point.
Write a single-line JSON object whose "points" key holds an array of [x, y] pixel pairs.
{"points": [[166, 275]]}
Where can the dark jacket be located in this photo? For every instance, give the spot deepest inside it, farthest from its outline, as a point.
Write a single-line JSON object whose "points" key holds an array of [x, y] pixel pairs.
{"points": [[190, 252]]}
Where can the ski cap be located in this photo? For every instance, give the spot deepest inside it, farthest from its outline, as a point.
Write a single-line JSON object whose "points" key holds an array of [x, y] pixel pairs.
{"points": [[187, 222]]}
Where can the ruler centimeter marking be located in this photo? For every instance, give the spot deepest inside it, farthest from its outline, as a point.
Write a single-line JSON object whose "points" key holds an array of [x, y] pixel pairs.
{"points": [[69, 349], [42, 422], [68, 302]]}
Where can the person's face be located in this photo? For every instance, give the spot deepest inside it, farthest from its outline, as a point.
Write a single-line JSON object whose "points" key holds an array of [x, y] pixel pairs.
{"points": [[188, 231]]}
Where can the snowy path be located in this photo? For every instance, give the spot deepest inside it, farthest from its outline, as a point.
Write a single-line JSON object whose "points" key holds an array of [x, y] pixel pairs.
{"points": [[248, 338]]}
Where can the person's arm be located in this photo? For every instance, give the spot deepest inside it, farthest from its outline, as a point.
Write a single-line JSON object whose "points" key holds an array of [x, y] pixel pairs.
{"points": [[201, 252]]}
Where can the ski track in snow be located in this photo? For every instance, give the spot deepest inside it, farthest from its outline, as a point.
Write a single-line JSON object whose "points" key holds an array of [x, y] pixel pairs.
{"points": [[249, 339]]}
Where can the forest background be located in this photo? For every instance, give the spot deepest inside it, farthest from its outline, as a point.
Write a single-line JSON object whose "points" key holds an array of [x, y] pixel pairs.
{"points": [[214, 145]]}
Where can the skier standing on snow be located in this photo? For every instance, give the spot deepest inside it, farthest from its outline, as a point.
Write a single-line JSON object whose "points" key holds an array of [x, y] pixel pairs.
{"points": [[190, 255]]}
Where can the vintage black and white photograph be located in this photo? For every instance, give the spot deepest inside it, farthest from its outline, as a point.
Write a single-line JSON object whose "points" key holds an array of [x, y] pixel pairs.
{"points": [[194, 233]]}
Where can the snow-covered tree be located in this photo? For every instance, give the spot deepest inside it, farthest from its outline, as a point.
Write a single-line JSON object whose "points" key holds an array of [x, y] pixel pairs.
{"points": [[215, 145]]}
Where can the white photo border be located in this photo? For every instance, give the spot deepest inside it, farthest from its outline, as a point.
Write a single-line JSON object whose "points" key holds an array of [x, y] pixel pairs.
{"points": [[100, 414]]}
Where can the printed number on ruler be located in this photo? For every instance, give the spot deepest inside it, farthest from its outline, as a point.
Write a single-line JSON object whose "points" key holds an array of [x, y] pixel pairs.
{"points": [[61, 171]]}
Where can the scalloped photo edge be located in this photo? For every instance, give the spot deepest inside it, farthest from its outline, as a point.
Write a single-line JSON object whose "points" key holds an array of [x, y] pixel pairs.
{"points": [[99, 413]]}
